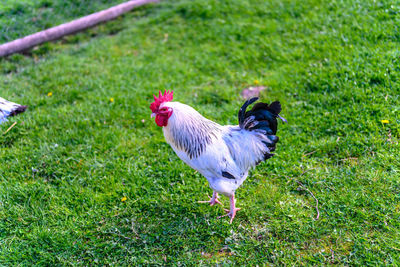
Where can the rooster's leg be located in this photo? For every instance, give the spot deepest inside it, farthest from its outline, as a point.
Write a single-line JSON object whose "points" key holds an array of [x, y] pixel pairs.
{"points": [[213, 200], [232, 211]]}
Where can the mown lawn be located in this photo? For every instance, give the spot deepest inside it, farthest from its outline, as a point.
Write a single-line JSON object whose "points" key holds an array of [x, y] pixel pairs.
{"points": [[74, 156]]}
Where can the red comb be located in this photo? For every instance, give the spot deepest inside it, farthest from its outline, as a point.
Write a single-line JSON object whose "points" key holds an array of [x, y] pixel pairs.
{"points": [[166, 97]]}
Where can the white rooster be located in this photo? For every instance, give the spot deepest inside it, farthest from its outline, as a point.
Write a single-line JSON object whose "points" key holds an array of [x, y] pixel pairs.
{"points": [[8, 109], [222, 154]]}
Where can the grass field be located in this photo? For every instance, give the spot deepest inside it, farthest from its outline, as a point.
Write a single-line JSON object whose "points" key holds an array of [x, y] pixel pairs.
{"points": [[86, 177], [19, 18]]}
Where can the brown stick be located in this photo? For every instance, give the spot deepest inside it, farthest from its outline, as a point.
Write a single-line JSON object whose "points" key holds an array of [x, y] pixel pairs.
{"points": [[74, 26], [9, 128]]}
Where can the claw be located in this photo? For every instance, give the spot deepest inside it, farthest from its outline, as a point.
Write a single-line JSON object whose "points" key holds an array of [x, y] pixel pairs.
{"points": [[213, 200], [232, 211], [205, 201]]}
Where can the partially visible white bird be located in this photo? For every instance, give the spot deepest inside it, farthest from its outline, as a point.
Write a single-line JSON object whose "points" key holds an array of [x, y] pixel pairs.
{"points": [[222, 154], [8, 109]]}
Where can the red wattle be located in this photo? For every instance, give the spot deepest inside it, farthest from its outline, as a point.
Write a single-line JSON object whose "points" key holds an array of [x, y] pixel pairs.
{"points": [[162, 120]]}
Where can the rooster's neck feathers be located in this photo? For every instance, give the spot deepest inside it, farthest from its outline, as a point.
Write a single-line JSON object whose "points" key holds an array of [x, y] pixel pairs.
{"points": [[189, 131]]}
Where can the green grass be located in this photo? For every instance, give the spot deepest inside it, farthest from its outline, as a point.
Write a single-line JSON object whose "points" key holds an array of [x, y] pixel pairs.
{"points": [[19, 18], [74, 155]]}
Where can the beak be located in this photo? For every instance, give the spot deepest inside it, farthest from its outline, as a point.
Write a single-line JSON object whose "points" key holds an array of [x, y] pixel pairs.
{"points": [[153, 115]]}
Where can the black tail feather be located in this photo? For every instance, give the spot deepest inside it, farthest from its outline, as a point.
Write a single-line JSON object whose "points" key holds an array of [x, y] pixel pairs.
{"points": [[242, 110], [263, 119], [275, 107]]}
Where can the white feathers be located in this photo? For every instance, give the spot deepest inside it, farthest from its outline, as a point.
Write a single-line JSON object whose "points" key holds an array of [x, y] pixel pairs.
{"points": [[188, 130], [3, 116], [248, 121], [212, 149], [8, 108]]}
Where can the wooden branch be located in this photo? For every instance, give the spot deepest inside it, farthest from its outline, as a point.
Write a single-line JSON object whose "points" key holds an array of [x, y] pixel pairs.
{"points": [[10, 128], [74, 26]]}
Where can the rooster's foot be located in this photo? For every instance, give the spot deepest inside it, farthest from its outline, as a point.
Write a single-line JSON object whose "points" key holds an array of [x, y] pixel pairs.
{"points": [[230, 213], [213, 200]]}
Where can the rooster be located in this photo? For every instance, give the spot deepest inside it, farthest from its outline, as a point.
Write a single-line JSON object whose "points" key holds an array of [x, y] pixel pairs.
{"points": [[8, 109], [222, 154]]}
